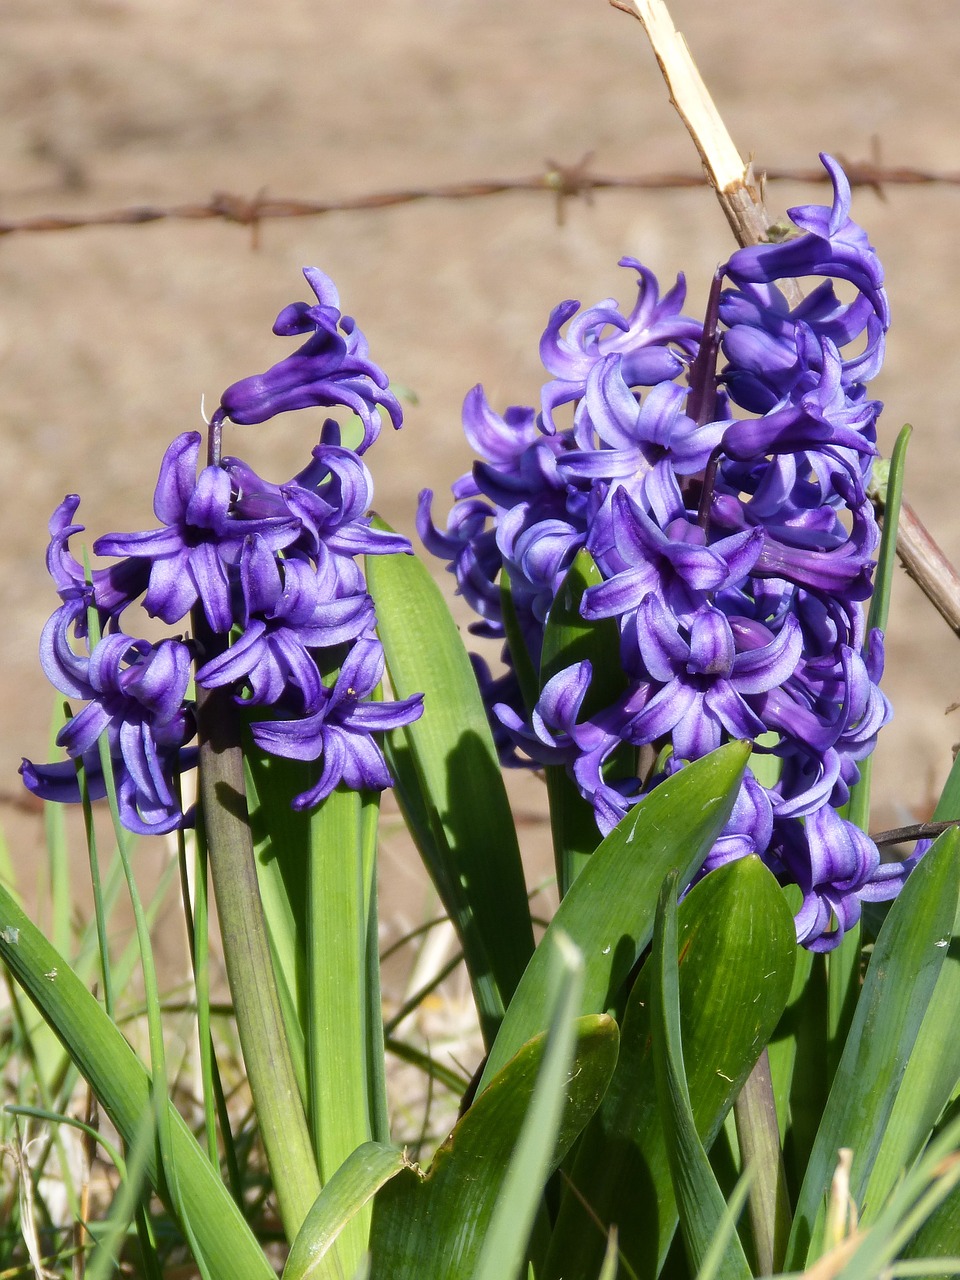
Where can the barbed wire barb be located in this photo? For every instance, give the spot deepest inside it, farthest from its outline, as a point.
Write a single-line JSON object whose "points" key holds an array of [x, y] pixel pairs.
{"points": [[561, 181]]}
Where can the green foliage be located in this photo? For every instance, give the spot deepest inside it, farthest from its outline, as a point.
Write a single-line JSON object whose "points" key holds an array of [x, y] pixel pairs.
{"points": [[449, 783], [667, 1083], [735, 956]]}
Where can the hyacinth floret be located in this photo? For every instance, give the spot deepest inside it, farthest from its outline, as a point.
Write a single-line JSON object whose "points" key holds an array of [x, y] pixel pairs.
{"points": [[333, 367], [267, 576], [716, 472]]}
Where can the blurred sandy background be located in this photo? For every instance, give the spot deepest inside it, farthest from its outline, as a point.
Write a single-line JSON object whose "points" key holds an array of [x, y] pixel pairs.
{"points": [[109, 337]]}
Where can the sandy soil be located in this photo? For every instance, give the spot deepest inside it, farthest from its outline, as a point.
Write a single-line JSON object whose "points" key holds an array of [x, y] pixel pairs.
{"points": [[109, 337]]}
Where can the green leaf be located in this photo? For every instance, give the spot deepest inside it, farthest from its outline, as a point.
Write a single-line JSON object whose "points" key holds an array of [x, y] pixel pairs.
{"points": [[281, 838], [904, 969], [121, 1082], [567, 639], [930, 1078], [436, 1225], [505, 1240], [344, 1035], [527, 676], [700, 1201], [347, 1193], [450, 782], [736, 957], [948, 806], [887, 556], [858, 807], [608, 913]]}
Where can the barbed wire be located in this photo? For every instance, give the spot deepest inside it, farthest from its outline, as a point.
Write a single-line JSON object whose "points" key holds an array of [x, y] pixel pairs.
{"points": [[562, 182]]}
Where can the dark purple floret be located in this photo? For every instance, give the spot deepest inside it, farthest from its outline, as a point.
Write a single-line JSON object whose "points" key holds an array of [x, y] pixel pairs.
{"points": [[331, 368], [339, 727], [136, 697]]}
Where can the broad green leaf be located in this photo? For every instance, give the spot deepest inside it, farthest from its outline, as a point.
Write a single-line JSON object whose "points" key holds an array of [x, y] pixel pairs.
{"points": [[317, 872], [450, 782], [281, 837], [700, 1201], [505, 1240], [736, 957], [904, 969], [344, 1034], [568, 638], [346, 1194], [436, 1225], [608, 913], [121, 1082]]}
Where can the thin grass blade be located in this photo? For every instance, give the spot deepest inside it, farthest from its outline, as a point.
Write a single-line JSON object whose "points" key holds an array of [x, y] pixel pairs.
{"points": [[700, 1202], [904, 969], [122, 1084]]}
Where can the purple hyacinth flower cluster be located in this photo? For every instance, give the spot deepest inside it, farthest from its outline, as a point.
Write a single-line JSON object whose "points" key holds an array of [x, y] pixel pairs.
{"points": [[281, 613], [716, 472]]}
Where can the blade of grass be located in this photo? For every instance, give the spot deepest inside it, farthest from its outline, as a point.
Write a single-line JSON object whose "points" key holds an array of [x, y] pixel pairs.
{"points": [[102, 1264], [505, 1239], [122, 1085], [904, 968], [703, 1211]]}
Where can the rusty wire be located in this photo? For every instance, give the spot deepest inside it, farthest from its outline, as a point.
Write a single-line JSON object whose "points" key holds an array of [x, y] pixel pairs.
{"points": [[563, 182]]}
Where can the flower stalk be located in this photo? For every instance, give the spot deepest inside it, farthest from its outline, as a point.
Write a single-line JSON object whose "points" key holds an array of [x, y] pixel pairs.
{"points": [[246, 950], [758, 1134]]}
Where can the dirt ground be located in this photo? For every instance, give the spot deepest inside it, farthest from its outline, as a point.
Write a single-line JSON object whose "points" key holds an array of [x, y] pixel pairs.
{"points": [[110, 337]]}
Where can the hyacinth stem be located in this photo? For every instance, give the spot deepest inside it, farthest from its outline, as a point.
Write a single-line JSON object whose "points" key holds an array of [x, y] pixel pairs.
{"points": [[246, 950], [701, 405], [758, 1134]]}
